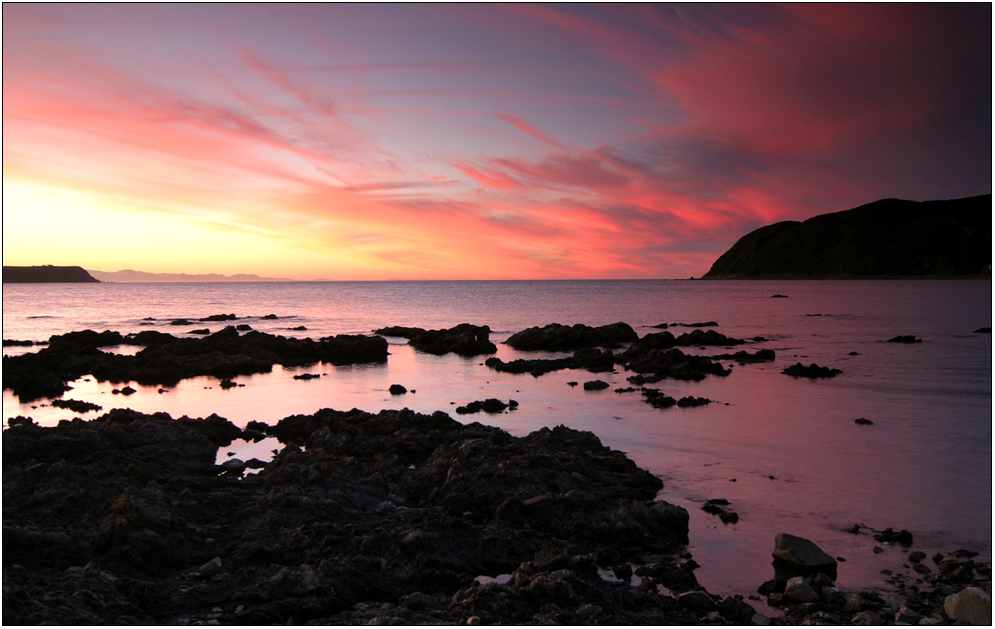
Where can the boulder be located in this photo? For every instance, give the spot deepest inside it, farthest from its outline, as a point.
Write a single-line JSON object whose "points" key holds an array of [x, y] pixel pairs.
{"points": [[798, 591], [800, 554], [697, 600], [971, 605]]}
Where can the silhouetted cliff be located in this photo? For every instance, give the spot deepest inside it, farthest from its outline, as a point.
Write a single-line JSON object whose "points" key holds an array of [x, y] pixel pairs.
{"points": [[887, 238], [47, 273]]}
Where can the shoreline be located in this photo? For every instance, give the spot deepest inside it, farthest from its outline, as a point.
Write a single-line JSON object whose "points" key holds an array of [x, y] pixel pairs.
{"points": [[204, 487], [394, 517]]}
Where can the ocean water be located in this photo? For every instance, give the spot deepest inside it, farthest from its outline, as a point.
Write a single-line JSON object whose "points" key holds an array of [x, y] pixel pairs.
{"points": [[785, 452]]}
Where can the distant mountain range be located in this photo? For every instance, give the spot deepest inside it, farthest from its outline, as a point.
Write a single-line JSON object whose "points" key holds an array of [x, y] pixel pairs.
{"points": [[887, 238], [129, 275]]}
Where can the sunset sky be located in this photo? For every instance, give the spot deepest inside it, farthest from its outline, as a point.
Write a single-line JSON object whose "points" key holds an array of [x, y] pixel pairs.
{"points": [[452, 141]]}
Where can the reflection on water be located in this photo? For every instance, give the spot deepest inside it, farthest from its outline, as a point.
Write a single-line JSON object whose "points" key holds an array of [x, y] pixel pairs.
{"points": [[784, 452]]}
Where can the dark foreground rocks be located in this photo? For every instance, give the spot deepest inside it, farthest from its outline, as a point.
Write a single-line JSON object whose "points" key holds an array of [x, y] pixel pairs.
{"points": [[390, 518], [166, 359], [804, 589]]}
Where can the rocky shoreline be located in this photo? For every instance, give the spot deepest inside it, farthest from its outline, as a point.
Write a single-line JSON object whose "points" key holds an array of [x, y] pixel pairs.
{"points": [[393, 518], [389, 518]]}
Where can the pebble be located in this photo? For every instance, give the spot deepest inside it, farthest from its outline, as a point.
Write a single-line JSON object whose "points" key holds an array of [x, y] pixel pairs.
{"points": [[210, 568]]}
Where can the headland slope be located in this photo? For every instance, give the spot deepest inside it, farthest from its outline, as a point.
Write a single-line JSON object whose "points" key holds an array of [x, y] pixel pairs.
{"points": [[887, 238], [46, 273]]}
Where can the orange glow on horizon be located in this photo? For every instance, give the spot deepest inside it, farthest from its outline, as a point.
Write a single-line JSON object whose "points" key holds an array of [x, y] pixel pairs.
{"points": [[342, 142]]}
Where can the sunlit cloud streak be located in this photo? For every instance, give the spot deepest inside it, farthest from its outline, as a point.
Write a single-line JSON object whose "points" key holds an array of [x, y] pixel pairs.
{"points": [[490, 141]]}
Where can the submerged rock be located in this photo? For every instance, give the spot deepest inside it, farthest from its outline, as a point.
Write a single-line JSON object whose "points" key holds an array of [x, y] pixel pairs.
{"points": [[904, 339], [813, 371]]}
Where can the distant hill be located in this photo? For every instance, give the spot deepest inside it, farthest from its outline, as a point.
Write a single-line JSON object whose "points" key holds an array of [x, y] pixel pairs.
{"points": [[46, 273], [129, 275], [887, 238]]}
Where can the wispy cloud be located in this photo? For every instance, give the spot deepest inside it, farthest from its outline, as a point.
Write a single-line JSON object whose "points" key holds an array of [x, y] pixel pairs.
{"points": [[500, 141]]}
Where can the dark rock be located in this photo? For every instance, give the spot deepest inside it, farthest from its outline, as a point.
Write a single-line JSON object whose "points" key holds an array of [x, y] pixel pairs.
{"points": [[667, 363], [697, 338], [657, 398], [863, 421], [697, 600], [797, 590], [490, 405], [888, 536], [200, 331], [361, 518], [219, 317], [904, 339], [181, 322], [167, 359], [243, 327], [715, 507], [799, 370], [802, 555], [15, 343], [729, 517], [307, 376], [77, 406], [270, 317], [397, 389], [591, 359], [124, 391], [595, 385], [228, 384], [971, 605], [742, 356], [983, 331], [779, 296], [464, 339], [736, 611], [557, 337], [691, 401]]}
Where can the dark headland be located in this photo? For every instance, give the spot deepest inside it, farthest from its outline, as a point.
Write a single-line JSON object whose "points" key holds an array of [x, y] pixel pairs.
{"points": [[46, 273], [887, 238]]}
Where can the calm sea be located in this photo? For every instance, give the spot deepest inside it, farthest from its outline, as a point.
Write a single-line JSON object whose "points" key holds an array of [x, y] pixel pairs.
{"points": [[785, 452]]}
